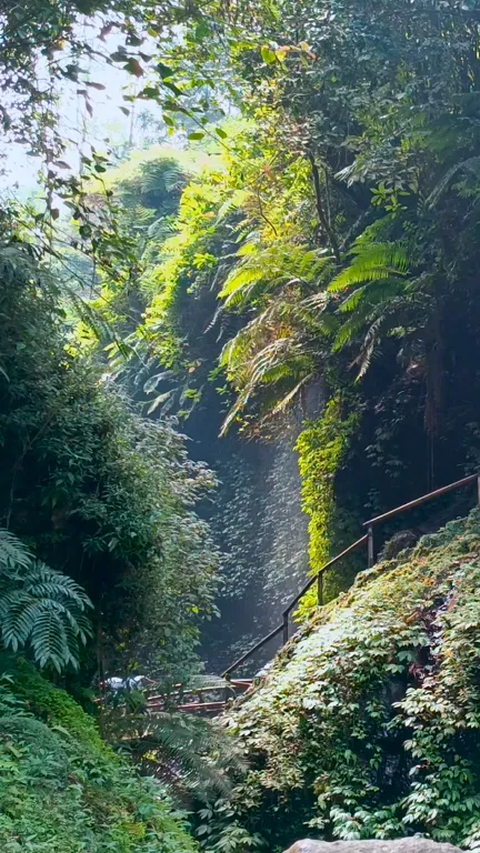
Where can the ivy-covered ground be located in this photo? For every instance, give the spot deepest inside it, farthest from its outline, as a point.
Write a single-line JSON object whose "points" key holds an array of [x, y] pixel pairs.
{"points": [[368, 724], [62, 790]]}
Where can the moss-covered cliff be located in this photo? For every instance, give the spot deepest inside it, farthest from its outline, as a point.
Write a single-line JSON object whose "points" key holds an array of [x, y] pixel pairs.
{"points": [[368, 725]]}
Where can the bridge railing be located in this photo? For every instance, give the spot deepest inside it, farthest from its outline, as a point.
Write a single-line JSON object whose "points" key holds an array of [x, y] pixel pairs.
{"points": [[368, 538]]}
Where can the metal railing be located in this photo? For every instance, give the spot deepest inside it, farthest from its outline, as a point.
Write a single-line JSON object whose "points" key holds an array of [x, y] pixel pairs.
{"points": [[412, 504], [283, 628]]}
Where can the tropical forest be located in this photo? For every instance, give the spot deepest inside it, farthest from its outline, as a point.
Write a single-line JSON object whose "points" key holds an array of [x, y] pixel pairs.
{"points": [[239, 426]]}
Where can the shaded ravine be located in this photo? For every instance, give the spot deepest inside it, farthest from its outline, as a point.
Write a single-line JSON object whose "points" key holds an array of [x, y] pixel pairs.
{"points": [[258, 522]]}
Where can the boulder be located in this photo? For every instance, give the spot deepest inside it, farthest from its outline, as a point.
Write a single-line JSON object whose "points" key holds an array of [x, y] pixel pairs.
{"points": [[399, 845], [398, 543]]}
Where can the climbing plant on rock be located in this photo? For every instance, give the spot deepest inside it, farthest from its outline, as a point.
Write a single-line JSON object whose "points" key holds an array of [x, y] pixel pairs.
{"points": [[367, 725]]}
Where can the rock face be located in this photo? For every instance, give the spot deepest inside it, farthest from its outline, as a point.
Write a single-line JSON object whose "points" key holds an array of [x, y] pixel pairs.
{"points": [[399, 845]]}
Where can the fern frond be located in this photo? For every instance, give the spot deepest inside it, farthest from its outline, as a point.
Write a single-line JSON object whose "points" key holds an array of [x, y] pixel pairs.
{"points": [[352, 327], [43, 581], [239, 278], [472, 164], [49, 640], [160, 229], [13, 552], [235, 201], [40, 607], [159, 400], [248, 249], [152, 383], [372, 292], [372, 262], [285, 402], [189, 754], [175, 178], [18, 614]]}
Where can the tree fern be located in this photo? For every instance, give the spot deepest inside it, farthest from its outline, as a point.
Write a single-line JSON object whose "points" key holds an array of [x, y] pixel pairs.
{"points": [[379, 288], [271, 267], [162, 176], [40, 608]]}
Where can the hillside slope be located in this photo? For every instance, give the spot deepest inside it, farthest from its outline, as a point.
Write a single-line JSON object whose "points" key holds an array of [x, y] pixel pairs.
{"points": [[368, 725], [62, 790]]}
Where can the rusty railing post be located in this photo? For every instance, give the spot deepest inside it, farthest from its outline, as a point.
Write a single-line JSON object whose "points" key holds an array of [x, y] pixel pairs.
{"points": [[227, 690], [320, 589], [285, 627], [371, 555]]}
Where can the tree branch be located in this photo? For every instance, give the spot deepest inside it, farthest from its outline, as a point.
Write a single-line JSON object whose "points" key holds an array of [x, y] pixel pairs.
{"points": [[321, 213]]}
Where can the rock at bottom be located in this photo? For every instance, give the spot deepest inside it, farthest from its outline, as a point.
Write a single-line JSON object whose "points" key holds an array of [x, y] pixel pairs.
{"points": [[398, 845]]}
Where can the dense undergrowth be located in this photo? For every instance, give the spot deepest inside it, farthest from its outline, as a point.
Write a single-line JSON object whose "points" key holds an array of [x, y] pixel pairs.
{"points": [[62, 788], [323, 244], [367, 726]]}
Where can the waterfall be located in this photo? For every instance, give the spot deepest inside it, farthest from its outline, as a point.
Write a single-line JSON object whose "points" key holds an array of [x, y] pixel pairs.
{"points": [[258, 521]]}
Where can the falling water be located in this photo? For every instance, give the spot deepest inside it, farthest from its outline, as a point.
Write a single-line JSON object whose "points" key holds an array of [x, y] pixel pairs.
{"points": [[259, 524]]}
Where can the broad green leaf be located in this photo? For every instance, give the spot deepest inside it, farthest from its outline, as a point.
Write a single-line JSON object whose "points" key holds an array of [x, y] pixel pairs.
{"points": [[268, 55]]}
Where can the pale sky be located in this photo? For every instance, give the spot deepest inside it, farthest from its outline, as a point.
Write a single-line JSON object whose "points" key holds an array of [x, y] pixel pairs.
{"points": [[20, 171]]}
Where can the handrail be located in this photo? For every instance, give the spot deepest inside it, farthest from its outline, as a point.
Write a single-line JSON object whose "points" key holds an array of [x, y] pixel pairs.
{"points": [[368, 538], [324, 568], [190, 706], [253, 649], [423, 499], [319, 579], [235, 683]]}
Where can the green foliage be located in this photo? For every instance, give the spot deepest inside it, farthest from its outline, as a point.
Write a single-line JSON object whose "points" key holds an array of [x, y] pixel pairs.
{"points": [[46, 40], [190, 756], [181, 257], [322, 447], [389, 125], [63, 789], [40, 607], [272, 348], [226, 246], [375, 290], [218, 831], [367, 725], [105, 496], [34, 694]]}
